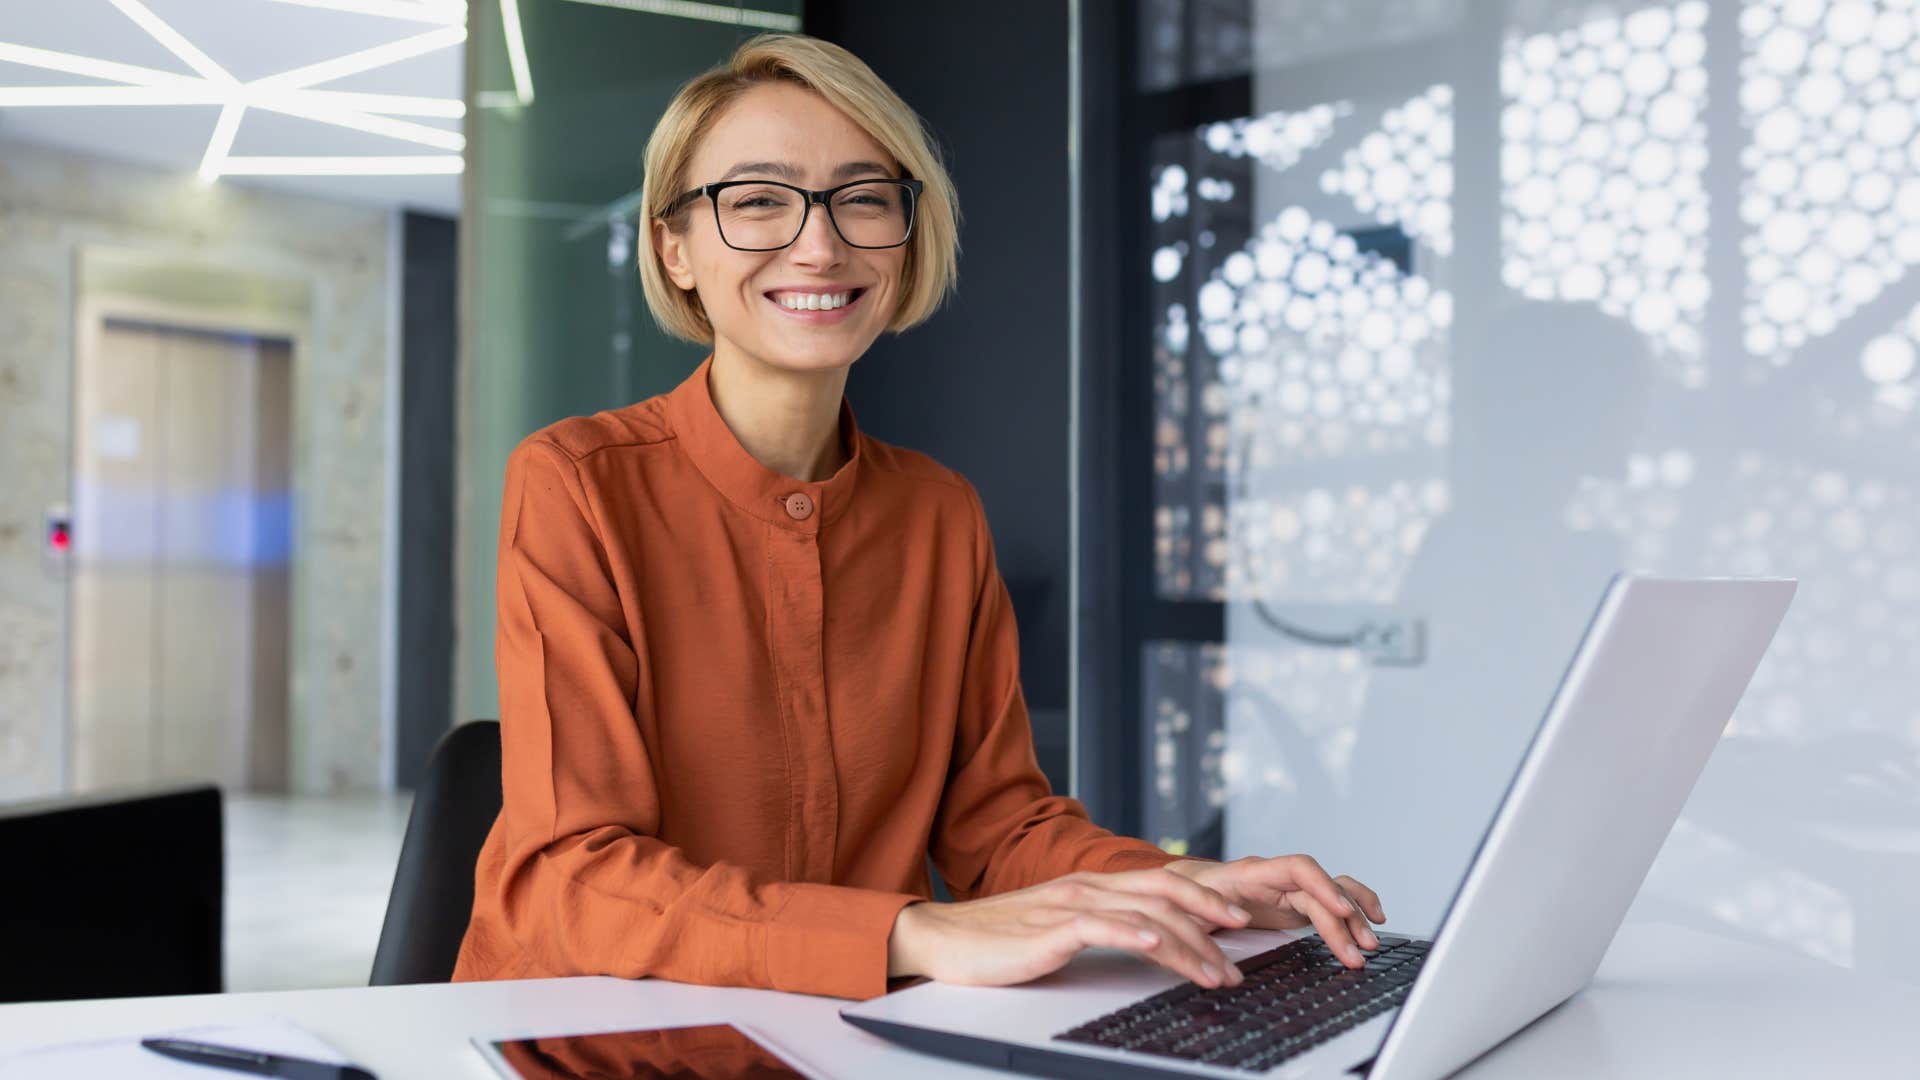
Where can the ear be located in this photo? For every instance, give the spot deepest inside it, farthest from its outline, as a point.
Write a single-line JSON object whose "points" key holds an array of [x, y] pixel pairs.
{"points": [[672, 248]]}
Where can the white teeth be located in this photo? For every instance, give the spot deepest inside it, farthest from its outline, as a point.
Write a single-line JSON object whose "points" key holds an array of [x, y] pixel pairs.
{"points": [[813, 301]]}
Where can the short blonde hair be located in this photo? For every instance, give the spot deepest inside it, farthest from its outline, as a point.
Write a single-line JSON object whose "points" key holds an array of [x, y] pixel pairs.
{"points": [[933, 252]]}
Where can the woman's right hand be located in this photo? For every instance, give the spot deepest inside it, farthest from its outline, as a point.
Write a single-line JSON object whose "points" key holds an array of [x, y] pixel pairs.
{"points": [[1017, 936]]}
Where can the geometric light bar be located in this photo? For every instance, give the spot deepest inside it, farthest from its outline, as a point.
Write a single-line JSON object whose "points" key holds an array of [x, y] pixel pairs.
{"points": [[732, 14], [517, 51], [288, 92], [336, 165], [446, 14]]}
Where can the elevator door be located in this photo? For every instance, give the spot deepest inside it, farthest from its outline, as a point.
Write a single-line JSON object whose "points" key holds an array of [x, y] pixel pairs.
{"points": [[181, 543]]}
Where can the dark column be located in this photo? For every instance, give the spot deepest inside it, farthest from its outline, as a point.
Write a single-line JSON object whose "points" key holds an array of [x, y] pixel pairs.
{"points": [[428, 348], [983, 386]]}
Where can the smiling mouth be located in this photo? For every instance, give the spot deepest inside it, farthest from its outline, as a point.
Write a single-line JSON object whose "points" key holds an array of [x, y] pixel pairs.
{"points": [[817, 301]]}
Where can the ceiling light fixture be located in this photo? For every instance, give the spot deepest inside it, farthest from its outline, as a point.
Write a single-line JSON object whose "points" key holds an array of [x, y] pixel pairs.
{"points": [[26, 97], [404, 165], [517, 51], [130, 74], [294, 104], [201, 93], [366, 59], [388, 104], [446, 14], [175, 44], [222, 141], [287, 92], [731, 14]]}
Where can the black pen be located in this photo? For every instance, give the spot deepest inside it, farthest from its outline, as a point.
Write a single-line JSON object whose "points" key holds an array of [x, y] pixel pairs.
{"points": [[253, 1061]]}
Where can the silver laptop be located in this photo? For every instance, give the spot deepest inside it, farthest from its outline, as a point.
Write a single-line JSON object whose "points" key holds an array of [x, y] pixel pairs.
{"points": [[1643, 703]]}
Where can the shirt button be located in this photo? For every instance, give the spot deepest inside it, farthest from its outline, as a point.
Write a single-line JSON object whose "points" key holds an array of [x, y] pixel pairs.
{"points": [[799, 507]]}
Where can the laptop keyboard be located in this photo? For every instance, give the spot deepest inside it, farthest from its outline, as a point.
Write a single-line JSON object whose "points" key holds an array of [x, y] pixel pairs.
{"points": [[1294, 998]]}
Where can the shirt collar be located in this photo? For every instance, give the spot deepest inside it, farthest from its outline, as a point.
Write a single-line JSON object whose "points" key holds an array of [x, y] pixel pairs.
{"points": [[739, 476]]}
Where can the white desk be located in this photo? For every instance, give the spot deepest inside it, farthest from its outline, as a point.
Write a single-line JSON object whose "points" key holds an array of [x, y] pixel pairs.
{"points": [[1667, 1003]]}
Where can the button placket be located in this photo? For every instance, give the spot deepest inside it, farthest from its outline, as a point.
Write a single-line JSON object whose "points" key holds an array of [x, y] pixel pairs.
{"points": [[796, 625]]}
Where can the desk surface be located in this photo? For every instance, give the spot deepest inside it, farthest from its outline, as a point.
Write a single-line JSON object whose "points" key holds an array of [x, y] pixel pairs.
{"points": [[1667, 1002]]}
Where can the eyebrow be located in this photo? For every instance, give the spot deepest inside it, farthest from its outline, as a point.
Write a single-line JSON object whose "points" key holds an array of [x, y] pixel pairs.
{"points": [[791, 173]]}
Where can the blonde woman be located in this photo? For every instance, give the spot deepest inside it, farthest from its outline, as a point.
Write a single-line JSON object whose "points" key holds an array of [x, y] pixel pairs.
{"points": [[755, 666]]}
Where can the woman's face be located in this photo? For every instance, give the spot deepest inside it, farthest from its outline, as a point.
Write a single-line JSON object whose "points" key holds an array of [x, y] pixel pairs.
{"points": [[785, 132]]}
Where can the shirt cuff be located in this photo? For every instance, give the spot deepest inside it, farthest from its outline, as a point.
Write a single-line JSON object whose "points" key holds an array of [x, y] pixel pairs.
{"points": [[832, 940]]}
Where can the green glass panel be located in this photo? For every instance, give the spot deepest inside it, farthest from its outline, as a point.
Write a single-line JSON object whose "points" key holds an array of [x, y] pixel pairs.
{"points": [[554, 322]]}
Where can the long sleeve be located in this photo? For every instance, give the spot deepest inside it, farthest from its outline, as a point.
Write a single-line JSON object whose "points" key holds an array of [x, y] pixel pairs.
{"points": [[583, 884], [1000, 827], [739, 709]]}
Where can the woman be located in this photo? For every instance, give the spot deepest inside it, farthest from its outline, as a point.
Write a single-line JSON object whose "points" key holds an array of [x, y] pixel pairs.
{"points": [[755, 667]]}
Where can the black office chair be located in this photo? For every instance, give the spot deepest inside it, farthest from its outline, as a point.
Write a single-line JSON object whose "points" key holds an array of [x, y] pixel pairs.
{"points": [[433, 885], [116, 894]]}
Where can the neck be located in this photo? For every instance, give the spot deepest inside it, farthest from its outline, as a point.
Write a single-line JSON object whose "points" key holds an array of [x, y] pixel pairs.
{"points": [[788, 420]]}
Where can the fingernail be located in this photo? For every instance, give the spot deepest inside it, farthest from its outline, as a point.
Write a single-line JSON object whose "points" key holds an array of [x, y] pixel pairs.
{"points": [[1212, 973], [1239, 912], [1149, 937], [1233, 970], [1353, 954]]}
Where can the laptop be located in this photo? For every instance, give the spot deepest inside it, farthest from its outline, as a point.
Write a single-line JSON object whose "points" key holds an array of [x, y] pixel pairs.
{"points": [[1645, 699]]}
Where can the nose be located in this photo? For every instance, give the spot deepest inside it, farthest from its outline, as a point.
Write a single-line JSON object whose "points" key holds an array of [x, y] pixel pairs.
{"points": [[819, 243]]}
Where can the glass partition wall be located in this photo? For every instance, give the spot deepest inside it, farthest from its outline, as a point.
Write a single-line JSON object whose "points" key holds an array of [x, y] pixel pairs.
{"points": [[1450, 311], [562, 95]]}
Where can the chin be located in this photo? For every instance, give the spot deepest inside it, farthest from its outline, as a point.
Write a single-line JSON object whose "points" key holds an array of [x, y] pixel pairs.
{"points": [[822, 356]]}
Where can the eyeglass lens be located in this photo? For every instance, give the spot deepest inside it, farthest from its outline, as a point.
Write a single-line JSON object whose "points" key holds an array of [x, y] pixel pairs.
{"points": [[872, 214]]}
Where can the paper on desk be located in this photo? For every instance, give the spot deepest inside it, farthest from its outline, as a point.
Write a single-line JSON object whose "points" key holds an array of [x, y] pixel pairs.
{"points": [[125, 1059]]}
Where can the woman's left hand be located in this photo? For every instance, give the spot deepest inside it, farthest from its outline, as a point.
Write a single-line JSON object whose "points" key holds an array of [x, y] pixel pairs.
{"points": [[1280, 893]]}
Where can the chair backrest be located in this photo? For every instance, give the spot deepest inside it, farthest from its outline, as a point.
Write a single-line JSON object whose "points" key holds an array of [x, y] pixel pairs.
{"points": [[432, 897]]}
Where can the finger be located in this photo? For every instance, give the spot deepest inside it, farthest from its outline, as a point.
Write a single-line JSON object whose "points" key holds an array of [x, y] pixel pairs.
{"points": [[1309, 875], [1276, 881], [1368, 899], [1362, 932], [1333, 928], [1206, 903], [1093, 929], [1205, 963], [1174, 920], [1357, 924], [1172, 951]]}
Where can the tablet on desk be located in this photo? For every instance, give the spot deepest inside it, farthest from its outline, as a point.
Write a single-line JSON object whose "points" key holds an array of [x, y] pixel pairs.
{"points": [[681, 1053]]}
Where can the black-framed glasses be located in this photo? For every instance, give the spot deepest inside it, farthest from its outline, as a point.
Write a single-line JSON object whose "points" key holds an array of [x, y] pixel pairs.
{"points": [[767, 215]]}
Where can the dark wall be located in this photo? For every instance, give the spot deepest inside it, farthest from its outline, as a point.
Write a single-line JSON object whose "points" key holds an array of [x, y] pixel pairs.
{"points": [[983, 386], [428, 349]]}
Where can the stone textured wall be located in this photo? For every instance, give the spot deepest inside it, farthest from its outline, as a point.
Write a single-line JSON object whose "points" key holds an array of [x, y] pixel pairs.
{"points": [[54, 204]]}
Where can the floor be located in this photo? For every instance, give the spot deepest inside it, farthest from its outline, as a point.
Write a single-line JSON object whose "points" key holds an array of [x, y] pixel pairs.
{"points": [[307, 883]]}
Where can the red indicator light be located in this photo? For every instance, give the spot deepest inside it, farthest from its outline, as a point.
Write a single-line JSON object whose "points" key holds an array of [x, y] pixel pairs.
{"points": [[59, 540]]}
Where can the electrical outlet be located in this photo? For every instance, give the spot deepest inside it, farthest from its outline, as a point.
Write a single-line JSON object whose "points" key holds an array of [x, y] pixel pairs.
{"points": [[1396, 642]]}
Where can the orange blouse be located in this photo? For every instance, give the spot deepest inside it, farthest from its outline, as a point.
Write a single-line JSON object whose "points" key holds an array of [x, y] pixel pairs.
{"points": [[739, 711]]}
